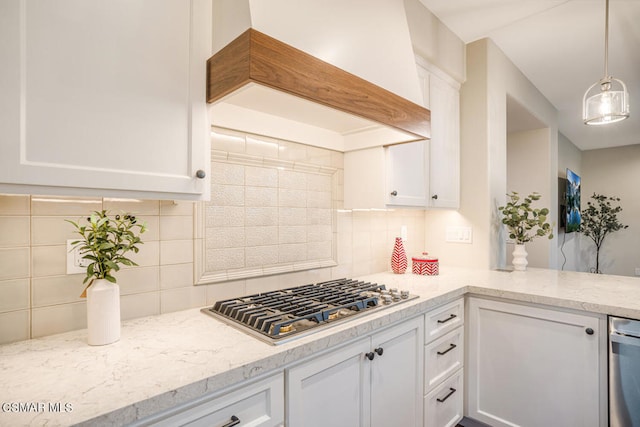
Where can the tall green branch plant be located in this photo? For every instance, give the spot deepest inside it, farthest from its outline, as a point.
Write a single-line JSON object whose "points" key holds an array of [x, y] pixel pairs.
{"points": [[599, 219], [524, 222], [105, 242]]}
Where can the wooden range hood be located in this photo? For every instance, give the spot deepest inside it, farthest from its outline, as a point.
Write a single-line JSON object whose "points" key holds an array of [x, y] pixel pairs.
{"points": [[254, 57]]}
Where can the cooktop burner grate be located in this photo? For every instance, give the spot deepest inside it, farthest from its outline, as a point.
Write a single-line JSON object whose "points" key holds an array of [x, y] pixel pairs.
{"points": [[278, 315]]}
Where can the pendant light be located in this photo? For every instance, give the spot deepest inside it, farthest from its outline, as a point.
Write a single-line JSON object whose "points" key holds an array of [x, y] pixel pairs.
{"points": [[611, 103]]}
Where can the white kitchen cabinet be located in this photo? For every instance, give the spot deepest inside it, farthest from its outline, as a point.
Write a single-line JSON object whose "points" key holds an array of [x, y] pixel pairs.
{"points": [[375, 381], [257, 404], [536, 367], [104, 98], [444, 364], [417, 174]]}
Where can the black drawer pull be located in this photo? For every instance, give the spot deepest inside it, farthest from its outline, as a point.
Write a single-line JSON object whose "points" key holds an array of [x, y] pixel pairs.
{"points": [[589, 331], [370, 355], [379, 350], [452, 390], [234, 422], [451, 347], [451, 317]]}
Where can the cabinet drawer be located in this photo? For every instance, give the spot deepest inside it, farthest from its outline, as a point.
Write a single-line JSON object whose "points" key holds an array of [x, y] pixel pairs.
{"points": [[443, 319], [443, 406], [443, 357], [260, 404]]}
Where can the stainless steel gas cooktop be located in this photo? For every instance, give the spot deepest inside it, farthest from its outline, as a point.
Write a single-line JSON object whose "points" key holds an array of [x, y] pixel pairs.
{"points": [[280, 316]]}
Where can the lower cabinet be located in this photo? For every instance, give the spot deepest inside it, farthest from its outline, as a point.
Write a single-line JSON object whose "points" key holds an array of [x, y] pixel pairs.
{"points": [[375, 381], [443, 365], [535, 367], [256, 404]]}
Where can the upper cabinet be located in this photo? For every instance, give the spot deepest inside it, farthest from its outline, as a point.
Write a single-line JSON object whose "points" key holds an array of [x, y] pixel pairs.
{"points": [[422, 173], [104, 98]]}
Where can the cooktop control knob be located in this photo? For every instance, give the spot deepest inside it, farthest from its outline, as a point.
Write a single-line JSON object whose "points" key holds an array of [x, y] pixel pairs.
{"points": [[404, 294], [387, 299]]}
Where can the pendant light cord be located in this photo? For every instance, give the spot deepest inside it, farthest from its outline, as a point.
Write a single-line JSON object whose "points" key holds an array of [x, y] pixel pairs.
{"points": [[606, 41]]}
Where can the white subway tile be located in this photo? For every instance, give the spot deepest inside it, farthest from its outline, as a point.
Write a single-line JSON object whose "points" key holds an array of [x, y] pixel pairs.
{"points": [[225, 140], [139, 305], [261, 176], [224, 216], [55, 319], [319, 233], [318, 216], [14, 326], [292, 216], [262, 146], [319, 199], [176, 252], [261, 216], [292, 198], [292, 151], [14, 295], [64, 206], [225, 290], [227, 173], [14, 263], [176, 227], [319, 250], [225, 259], [261, 196], [227, 195], [292, 180], [135, 207], [14, 231], [53, 230], [182, 298], [176, 276], [225, 237], [15, 204], [261, 256], [292, 234], [176, 207], [292, 252], [53, 290], [318, 182], [138, 279], [261, 236]]}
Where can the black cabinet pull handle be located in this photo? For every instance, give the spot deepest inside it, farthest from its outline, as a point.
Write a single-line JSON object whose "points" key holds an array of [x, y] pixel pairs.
{"points": [[434, 197], [451, 347], [370, 355], [379, 350], [394, 193], [589, 331], [451, 317], [201, 174], [234, 422], [452, 390]]}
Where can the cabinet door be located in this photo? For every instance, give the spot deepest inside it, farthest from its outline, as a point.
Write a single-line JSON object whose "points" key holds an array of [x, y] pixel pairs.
{"points": [[530, 366], [331, 389], [104, 98], [444, 146], [406, 184], [396, 375]]}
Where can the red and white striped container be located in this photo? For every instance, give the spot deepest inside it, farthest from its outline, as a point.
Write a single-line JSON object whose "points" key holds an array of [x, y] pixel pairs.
{"points": [[425, 265]]}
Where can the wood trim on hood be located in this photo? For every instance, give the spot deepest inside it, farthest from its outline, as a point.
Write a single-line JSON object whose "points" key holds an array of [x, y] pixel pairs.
{"points": [[254, 57]]}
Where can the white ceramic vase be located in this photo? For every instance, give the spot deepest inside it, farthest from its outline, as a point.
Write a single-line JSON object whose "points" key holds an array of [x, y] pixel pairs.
{"points": [[103, 312], [520, 257]]}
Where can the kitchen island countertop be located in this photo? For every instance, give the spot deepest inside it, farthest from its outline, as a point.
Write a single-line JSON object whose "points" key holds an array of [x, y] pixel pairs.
{"points": [[162, 361]]}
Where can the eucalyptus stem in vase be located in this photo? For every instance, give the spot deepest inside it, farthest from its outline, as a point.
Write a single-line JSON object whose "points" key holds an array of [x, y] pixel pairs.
{"points": [[524, 223]]}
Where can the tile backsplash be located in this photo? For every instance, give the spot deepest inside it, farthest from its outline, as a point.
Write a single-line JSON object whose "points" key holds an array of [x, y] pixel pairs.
{"points": [[38, 298]]}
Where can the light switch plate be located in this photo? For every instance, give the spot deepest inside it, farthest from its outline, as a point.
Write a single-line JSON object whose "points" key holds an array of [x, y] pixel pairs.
{"points": [[456, 234]]}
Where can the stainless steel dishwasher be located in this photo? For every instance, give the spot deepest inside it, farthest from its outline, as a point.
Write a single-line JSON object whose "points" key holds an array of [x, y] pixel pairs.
{"points": [[624, 372]]}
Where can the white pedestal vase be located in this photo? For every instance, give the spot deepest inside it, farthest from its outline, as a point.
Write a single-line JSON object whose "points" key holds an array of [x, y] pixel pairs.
{"points": [[103, 312], [520, 257]]}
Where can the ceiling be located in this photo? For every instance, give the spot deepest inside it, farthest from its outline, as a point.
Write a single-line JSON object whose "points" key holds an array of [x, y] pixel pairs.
{"points": [[559, 46]]}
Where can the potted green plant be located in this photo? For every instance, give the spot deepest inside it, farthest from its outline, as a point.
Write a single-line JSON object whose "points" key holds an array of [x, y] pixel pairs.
{"points": [[524, 223], [104, 242], [600, 221]]}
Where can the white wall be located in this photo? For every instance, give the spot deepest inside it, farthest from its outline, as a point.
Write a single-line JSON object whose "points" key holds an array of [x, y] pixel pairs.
{"points": [[569, 244], [491, 76], [614, 172], [527, 172]]}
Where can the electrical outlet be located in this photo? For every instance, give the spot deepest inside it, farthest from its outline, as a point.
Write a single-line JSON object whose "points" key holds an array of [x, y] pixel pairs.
{"points": [[75, 263]]}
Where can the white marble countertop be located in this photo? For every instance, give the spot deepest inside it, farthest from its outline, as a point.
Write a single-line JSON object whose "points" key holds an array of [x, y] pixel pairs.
{"points": [[165, 360]]}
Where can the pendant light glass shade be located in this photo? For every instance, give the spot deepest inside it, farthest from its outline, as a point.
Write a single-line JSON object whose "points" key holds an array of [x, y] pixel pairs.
{"points": [[606, 101], [603, 103]]}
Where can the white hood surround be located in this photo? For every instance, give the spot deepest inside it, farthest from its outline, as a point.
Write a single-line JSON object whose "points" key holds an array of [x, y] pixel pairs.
{"points": [[369, 39]]}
